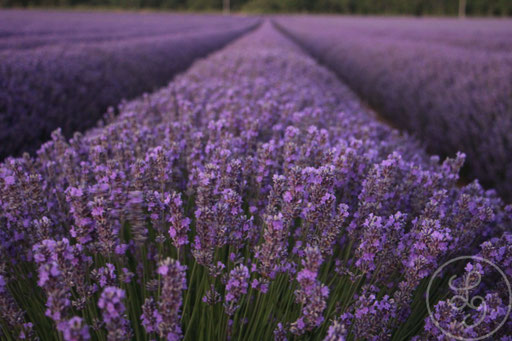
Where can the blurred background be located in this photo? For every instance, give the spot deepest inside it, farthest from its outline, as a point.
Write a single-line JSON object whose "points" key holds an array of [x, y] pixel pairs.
{"points": [[388, 7]]}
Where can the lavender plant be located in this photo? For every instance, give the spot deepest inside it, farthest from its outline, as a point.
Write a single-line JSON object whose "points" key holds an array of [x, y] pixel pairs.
{"points": [[253, 198], [447, 81]]}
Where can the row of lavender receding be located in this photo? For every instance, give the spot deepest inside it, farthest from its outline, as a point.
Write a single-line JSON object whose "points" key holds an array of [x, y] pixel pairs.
{"points": [[70, 84], [22, 29], [474, 34], [449, 82], [254, 198]]}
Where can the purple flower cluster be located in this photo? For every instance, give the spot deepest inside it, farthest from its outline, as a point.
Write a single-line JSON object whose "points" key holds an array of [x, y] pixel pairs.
{"points": [[62, 269], [178, 231], [236, 287], [74, 329], [173, 283], [312, 293], [446, 81], [163, 318], [254, 197], [114, 313]]}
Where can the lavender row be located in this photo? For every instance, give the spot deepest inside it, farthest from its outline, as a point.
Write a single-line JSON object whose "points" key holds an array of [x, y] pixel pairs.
{"points": [[452, 98], [253, 198], [484, 34], [70, 86], [25, 29]]}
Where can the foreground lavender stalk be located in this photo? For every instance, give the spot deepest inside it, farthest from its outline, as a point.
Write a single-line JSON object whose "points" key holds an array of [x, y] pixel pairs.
{"points": [[173, 283], [311, 294], [236, 288], [114, 314]]}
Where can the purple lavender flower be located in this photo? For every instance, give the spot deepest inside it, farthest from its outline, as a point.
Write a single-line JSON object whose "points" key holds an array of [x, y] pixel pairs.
{"points": [[274, 247], [83, 227], [114, 314], [236, 287], [106, 229], [150, 317], [105, 276], [336, 332], [179, 222], [312, 294], [373, 317], [173, 279], [74, 329]]}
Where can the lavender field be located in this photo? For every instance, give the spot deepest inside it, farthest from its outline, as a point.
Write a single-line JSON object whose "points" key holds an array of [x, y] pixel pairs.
{"points": [[253, 197], [449, 82], [64, 69]]}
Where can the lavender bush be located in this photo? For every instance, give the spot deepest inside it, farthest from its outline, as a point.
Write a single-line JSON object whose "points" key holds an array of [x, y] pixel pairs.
{"points": [[449, 82], [82, 68], [253, 198]]}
